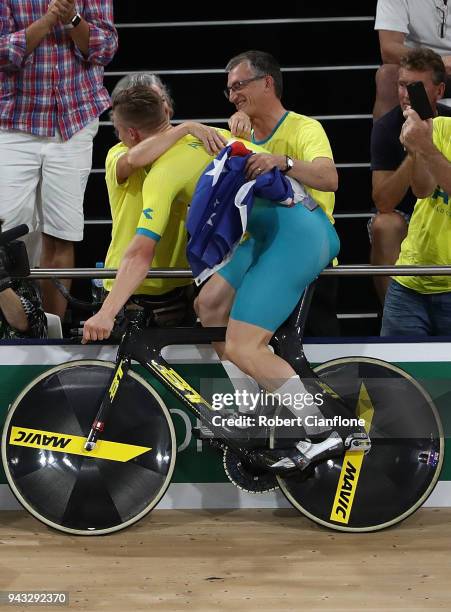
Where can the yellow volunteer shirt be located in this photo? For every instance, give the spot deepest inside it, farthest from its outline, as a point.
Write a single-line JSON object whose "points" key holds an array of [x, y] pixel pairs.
{"points": [[428, 241], [302, 138], [127, 209]]}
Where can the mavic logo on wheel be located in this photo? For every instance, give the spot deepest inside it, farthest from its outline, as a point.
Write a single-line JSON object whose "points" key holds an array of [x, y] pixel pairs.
{"points": [[177, 381], [346, 489], [74, 445], [31, 438], [352, 464], [116, 380]]}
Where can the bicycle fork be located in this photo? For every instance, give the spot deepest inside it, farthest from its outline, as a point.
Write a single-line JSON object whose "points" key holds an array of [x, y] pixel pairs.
{"points": [[121, 369]]}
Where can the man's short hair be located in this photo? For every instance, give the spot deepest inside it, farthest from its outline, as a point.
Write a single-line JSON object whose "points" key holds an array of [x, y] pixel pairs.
{"points": [[147, 79], [423, 59], [261, 63], [140, 107]]}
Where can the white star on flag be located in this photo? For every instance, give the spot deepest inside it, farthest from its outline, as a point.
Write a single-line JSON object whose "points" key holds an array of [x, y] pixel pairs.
{"points": [[210, 220], [218, 168]]}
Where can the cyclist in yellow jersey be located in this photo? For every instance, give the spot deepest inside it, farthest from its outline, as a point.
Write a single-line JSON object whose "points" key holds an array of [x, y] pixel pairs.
{"points": [[421, 305], [125, 192], [150, 234]]}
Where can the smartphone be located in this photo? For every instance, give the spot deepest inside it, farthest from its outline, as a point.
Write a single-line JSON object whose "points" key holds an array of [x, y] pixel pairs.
{"points": [[419, 100]]}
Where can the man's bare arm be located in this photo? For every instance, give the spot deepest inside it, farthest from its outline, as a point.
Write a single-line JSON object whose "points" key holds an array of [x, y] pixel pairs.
{"points": [[13, 311], [134, 266], [392, 46], [390, 186], [149, 150], [40, 28], [430, 167], [318, 174]]}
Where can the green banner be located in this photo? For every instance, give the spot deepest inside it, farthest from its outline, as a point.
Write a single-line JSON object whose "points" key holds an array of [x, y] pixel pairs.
{"points": [[196, 462]]}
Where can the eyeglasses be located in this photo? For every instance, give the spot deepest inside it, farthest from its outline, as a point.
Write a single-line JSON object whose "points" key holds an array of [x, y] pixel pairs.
{"points": [[443, 11], [238, 85]]}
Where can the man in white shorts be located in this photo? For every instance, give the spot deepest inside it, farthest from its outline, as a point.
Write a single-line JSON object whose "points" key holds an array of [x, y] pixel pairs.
{"points": [[52, 60]]}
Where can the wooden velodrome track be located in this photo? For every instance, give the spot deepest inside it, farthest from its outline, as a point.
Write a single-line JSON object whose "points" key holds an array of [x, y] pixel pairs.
{"points": [[265, 560]]}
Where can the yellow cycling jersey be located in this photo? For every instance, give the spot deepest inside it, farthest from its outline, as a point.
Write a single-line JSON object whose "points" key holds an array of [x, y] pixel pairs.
{"points": [[153, 202], [126, 202], [428, 240], [302, 138]]}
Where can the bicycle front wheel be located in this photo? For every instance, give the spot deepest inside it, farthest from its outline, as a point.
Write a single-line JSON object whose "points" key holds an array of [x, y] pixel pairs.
{"points": [[358, 492], [78, 491]]}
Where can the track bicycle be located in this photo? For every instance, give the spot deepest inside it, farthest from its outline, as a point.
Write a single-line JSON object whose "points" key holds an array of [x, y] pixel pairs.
{"points": [[89, 447]]}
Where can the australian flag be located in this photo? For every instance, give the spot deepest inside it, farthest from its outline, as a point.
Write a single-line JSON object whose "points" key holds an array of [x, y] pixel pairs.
{"points": [[221, 206]]}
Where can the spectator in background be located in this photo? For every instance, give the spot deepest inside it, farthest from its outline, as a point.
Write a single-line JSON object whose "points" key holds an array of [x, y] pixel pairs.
{"points": [[147, 79], [403, 24], [52, 59], [21, 313], [390, 164], [298, 145], [421, 305]]}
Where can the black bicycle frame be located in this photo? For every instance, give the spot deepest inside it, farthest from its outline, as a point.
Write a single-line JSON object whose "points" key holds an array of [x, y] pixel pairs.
{"points": [[144, 345]]}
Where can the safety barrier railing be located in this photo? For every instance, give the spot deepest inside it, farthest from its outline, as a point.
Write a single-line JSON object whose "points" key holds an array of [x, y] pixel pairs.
{"points": [[343, 270]]}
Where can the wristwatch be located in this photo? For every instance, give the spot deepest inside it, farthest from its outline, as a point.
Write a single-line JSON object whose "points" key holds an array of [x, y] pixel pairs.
{"points": [[74, 22], [290, 164]]}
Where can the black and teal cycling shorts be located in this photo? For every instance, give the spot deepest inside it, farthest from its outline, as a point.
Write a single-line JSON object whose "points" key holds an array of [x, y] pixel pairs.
{"points": [[287, 250]]}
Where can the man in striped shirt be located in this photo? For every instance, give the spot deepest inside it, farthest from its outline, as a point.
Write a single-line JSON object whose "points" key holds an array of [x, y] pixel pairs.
{"points": [[52, 58]]}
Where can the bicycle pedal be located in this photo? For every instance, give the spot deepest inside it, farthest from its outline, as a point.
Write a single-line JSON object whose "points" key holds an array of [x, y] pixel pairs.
{"points": [[358, 441], [307, 453]]}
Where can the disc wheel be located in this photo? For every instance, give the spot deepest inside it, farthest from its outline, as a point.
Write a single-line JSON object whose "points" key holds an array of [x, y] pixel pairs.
{"points": [[358, 492], [78, 491]]}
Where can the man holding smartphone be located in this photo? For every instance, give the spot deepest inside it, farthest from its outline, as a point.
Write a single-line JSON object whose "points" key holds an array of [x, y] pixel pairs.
{"points": [[390, 164], [421, 305], [403, 25]]}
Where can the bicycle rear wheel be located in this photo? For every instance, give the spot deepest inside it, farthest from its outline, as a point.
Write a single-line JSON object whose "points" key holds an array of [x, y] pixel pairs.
{"points": [[359, 492], [74, 490]]}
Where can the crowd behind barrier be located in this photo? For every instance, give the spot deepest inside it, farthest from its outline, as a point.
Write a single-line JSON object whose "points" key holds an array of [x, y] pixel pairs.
{"points": [[106, 43]]}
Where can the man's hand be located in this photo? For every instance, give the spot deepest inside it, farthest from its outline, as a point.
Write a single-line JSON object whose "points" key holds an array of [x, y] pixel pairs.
{"points": [[98, 327], [63, 10], [259, 163], [52, 15], [240, 125], [416, 135], [212, 140]]}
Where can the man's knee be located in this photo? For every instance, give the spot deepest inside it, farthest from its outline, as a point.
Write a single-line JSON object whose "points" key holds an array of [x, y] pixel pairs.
{"points": [[239, 353], [56, 252], [214, 301], [388, 226]]}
